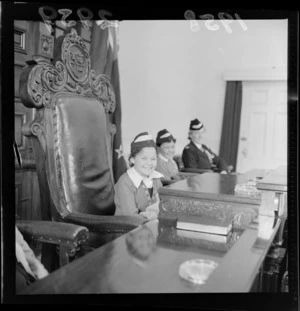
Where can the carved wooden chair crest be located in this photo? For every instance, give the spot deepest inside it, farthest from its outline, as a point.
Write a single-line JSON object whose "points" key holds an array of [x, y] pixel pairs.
{"points": [[72, 137]]}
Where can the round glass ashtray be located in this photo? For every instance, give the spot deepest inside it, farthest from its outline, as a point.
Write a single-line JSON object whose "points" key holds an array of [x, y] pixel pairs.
{"points": [[197, 271]]}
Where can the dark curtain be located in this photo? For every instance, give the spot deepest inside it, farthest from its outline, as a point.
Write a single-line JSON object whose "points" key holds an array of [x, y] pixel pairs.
{"points": [[231, 123], [104, 60]]}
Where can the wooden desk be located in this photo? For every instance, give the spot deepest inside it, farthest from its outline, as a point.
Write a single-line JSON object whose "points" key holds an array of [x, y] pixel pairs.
{"points": [[117, 268], [211, 194]]}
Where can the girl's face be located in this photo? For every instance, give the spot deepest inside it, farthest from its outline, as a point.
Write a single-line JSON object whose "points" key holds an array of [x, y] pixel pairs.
{"points": [[145, 161], [168, 149]]}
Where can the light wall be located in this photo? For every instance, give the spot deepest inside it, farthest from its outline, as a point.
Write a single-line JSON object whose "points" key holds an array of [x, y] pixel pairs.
{"points": [[170, 75]]}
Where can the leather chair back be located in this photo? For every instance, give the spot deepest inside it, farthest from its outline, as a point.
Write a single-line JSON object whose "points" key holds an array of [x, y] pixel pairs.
{"points": [[72, 124]]}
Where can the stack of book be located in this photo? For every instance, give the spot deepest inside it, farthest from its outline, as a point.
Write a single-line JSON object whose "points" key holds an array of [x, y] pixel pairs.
{"points": [[204, 227], [218, 238], [214, 236]]}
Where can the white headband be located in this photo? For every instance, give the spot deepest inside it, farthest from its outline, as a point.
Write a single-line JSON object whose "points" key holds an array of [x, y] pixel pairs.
{"points": [[165, 135], [197, 126], [143, 138]]}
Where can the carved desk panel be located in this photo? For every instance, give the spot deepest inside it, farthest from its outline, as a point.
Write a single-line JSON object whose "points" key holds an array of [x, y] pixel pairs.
{"points": [[211, 194]]}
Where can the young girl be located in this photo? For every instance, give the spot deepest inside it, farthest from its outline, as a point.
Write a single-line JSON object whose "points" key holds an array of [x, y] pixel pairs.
{"points": [[165, 163], [136, 190]]}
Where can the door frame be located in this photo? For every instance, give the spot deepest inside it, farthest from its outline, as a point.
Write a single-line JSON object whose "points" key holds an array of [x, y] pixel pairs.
{"points": [[256, 74]]}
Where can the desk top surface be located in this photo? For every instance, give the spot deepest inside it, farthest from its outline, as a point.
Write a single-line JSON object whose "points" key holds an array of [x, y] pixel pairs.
{"points": [[214, 186], [275, 181], [147, 260]]}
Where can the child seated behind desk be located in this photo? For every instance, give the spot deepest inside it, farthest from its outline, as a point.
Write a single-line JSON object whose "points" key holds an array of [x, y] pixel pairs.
{"points": [[136, 192], [166, 151]]}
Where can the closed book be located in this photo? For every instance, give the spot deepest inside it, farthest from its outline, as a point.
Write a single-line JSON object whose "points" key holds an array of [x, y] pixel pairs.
{"points": [[219, 238], [204, 224]]}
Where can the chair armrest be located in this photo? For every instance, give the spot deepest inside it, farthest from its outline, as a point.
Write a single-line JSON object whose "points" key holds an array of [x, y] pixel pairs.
{"points": [[53, 232], [106, 224], [195, 170], [186, 174], [167, 182]]}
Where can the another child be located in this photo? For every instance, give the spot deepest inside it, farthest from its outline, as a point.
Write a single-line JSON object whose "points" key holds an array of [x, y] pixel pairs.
{"points": [[166, 151], [136, 192]]}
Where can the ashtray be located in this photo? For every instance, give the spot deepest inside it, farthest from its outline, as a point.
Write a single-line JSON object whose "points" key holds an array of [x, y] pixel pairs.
{"points": [[198, 270]]}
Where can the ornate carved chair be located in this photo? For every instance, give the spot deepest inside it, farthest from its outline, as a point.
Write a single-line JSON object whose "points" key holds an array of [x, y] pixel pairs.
{"points": [[43, 235], [72, 137]]}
